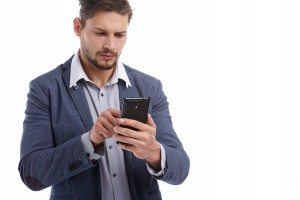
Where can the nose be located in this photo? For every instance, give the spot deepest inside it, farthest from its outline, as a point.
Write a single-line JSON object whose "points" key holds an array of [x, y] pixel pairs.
{"points": [[109, 44]]}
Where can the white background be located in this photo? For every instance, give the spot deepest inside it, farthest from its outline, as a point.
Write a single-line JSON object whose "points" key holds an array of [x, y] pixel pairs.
{"points": [[230, 69]]}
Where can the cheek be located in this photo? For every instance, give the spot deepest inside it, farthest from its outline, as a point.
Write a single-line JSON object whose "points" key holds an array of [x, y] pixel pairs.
{"points": [[120, 44], [93, 44], [96, 42]]}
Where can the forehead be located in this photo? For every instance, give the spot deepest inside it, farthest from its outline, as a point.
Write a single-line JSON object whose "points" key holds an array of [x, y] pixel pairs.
{"points": [[110, 21]]}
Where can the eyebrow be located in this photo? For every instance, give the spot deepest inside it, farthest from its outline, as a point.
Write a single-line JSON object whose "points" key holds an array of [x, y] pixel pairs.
{"points": [[102, 30]]}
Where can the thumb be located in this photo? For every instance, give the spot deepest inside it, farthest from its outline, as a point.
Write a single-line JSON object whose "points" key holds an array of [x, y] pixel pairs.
{"points": [[150, 121]]}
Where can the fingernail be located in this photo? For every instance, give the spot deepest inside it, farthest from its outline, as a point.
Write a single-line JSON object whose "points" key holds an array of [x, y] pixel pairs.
{"points": [[121, 121]]}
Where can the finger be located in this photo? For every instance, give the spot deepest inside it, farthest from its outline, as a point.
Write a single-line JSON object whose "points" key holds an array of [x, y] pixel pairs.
{"points": [[106, 124], [127, 140], [111, 115], [150, 121], [115, 113], [126, 132], [127, 147], [100, 129], [133, 123], [103, 131]]}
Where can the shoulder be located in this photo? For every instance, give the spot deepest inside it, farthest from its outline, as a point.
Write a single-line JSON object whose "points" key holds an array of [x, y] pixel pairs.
{"points": [[147, 85], [137, 77], [52, 81], [53, 74]]}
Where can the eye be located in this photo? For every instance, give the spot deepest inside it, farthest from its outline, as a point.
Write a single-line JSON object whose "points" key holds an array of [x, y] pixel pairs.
{"points": [[100, 33], [120, 35]]}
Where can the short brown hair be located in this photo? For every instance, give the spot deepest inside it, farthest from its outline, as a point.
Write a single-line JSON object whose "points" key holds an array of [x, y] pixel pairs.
{"points": [[88, 8]]}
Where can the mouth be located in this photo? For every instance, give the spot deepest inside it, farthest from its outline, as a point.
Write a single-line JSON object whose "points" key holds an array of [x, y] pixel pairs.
{"points": [[107, 56]]}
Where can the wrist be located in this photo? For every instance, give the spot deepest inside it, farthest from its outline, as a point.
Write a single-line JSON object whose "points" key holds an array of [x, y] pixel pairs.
{"points": [[155, 159], [96, 140]]}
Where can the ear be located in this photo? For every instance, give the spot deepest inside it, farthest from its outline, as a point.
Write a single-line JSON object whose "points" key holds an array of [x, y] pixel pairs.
{"points": [[77, 26]]}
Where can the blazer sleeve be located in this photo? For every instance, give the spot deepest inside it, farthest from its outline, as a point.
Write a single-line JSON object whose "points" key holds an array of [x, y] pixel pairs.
{"points": [[42, 163], [177, 161]]}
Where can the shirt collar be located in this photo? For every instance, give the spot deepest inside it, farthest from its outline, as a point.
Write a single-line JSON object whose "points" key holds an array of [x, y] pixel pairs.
{"points": [[77, 73]]}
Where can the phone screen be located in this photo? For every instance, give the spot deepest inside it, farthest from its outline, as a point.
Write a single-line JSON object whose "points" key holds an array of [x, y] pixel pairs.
{"points": [[135, 108]]}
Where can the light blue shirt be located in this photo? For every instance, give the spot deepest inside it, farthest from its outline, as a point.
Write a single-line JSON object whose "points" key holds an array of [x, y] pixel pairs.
{"points": [[113, 177]]}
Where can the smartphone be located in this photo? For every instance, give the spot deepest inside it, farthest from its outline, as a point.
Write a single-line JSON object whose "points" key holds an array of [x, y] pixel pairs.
{"points": [[135, 108]]}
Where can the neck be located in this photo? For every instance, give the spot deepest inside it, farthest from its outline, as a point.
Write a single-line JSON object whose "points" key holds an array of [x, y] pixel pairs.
{"points": [[99, 76]]}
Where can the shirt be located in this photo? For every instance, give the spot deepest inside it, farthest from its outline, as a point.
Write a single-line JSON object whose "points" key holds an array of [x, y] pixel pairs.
{"points": [[113, 177]]}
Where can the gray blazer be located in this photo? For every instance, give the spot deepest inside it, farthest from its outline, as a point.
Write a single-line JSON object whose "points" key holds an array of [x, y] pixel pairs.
{"points": [[51, 150]]}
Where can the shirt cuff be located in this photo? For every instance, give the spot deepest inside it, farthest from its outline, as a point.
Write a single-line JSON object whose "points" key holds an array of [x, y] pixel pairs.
{"points": [[162, 163], [89, 149]]}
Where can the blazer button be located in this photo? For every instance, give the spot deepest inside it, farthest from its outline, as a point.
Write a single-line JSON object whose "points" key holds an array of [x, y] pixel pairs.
{"points": [[71, 167]]}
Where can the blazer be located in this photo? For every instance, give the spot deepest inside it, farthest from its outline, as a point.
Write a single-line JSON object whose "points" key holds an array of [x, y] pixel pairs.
{"points": [[52, 152]]}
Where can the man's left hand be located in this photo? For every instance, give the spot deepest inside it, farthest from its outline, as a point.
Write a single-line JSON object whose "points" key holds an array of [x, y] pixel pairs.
{"points": [[142, 143]]}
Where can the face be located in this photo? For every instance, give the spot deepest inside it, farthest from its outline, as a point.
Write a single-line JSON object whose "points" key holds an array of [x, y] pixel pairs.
{"points": [[102, 39]]}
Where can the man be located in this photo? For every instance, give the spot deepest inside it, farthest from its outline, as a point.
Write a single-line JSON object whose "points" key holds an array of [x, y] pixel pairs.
{"points": [[72, 138]]}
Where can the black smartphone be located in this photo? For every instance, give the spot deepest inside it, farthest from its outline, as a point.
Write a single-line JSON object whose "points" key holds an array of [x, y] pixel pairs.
{"points": [[135, 108]]}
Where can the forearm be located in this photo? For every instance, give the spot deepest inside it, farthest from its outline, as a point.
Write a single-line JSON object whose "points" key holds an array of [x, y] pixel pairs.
{"points": [[177, 165], [42, 168]]}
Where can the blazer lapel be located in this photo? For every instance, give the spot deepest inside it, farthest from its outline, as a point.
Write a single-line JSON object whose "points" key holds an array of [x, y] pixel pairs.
{"points": [[78, 97], [123, 92], [130, 175], [82, 106]]}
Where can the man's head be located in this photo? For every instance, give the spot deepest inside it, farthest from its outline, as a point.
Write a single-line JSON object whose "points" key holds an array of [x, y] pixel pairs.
{"points": [[102, 29]]}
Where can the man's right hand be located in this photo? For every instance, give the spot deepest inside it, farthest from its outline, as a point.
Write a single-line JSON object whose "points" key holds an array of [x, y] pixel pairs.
{"points": [[104, 126]]}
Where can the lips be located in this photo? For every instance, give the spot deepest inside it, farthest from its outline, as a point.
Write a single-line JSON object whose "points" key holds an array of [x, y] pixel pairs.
{"points": [[107, 56]]}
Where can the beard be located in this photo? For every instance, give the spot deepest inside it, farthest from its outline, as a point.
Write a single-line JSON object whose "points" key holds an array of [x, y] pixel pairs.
{"points": [[93, 60]]}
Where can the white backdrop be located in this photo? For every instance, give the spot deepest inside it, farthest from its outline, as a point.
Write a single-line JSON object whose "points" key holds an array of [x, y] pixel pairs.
{"points": [[230, 69]]}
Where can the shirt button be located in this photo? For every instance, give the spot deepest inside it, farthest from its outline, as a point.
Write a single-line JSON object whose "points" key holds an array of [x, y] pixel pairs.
{"points": [[94, 162], [102, 94], [110, 147], [114, 175]]}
